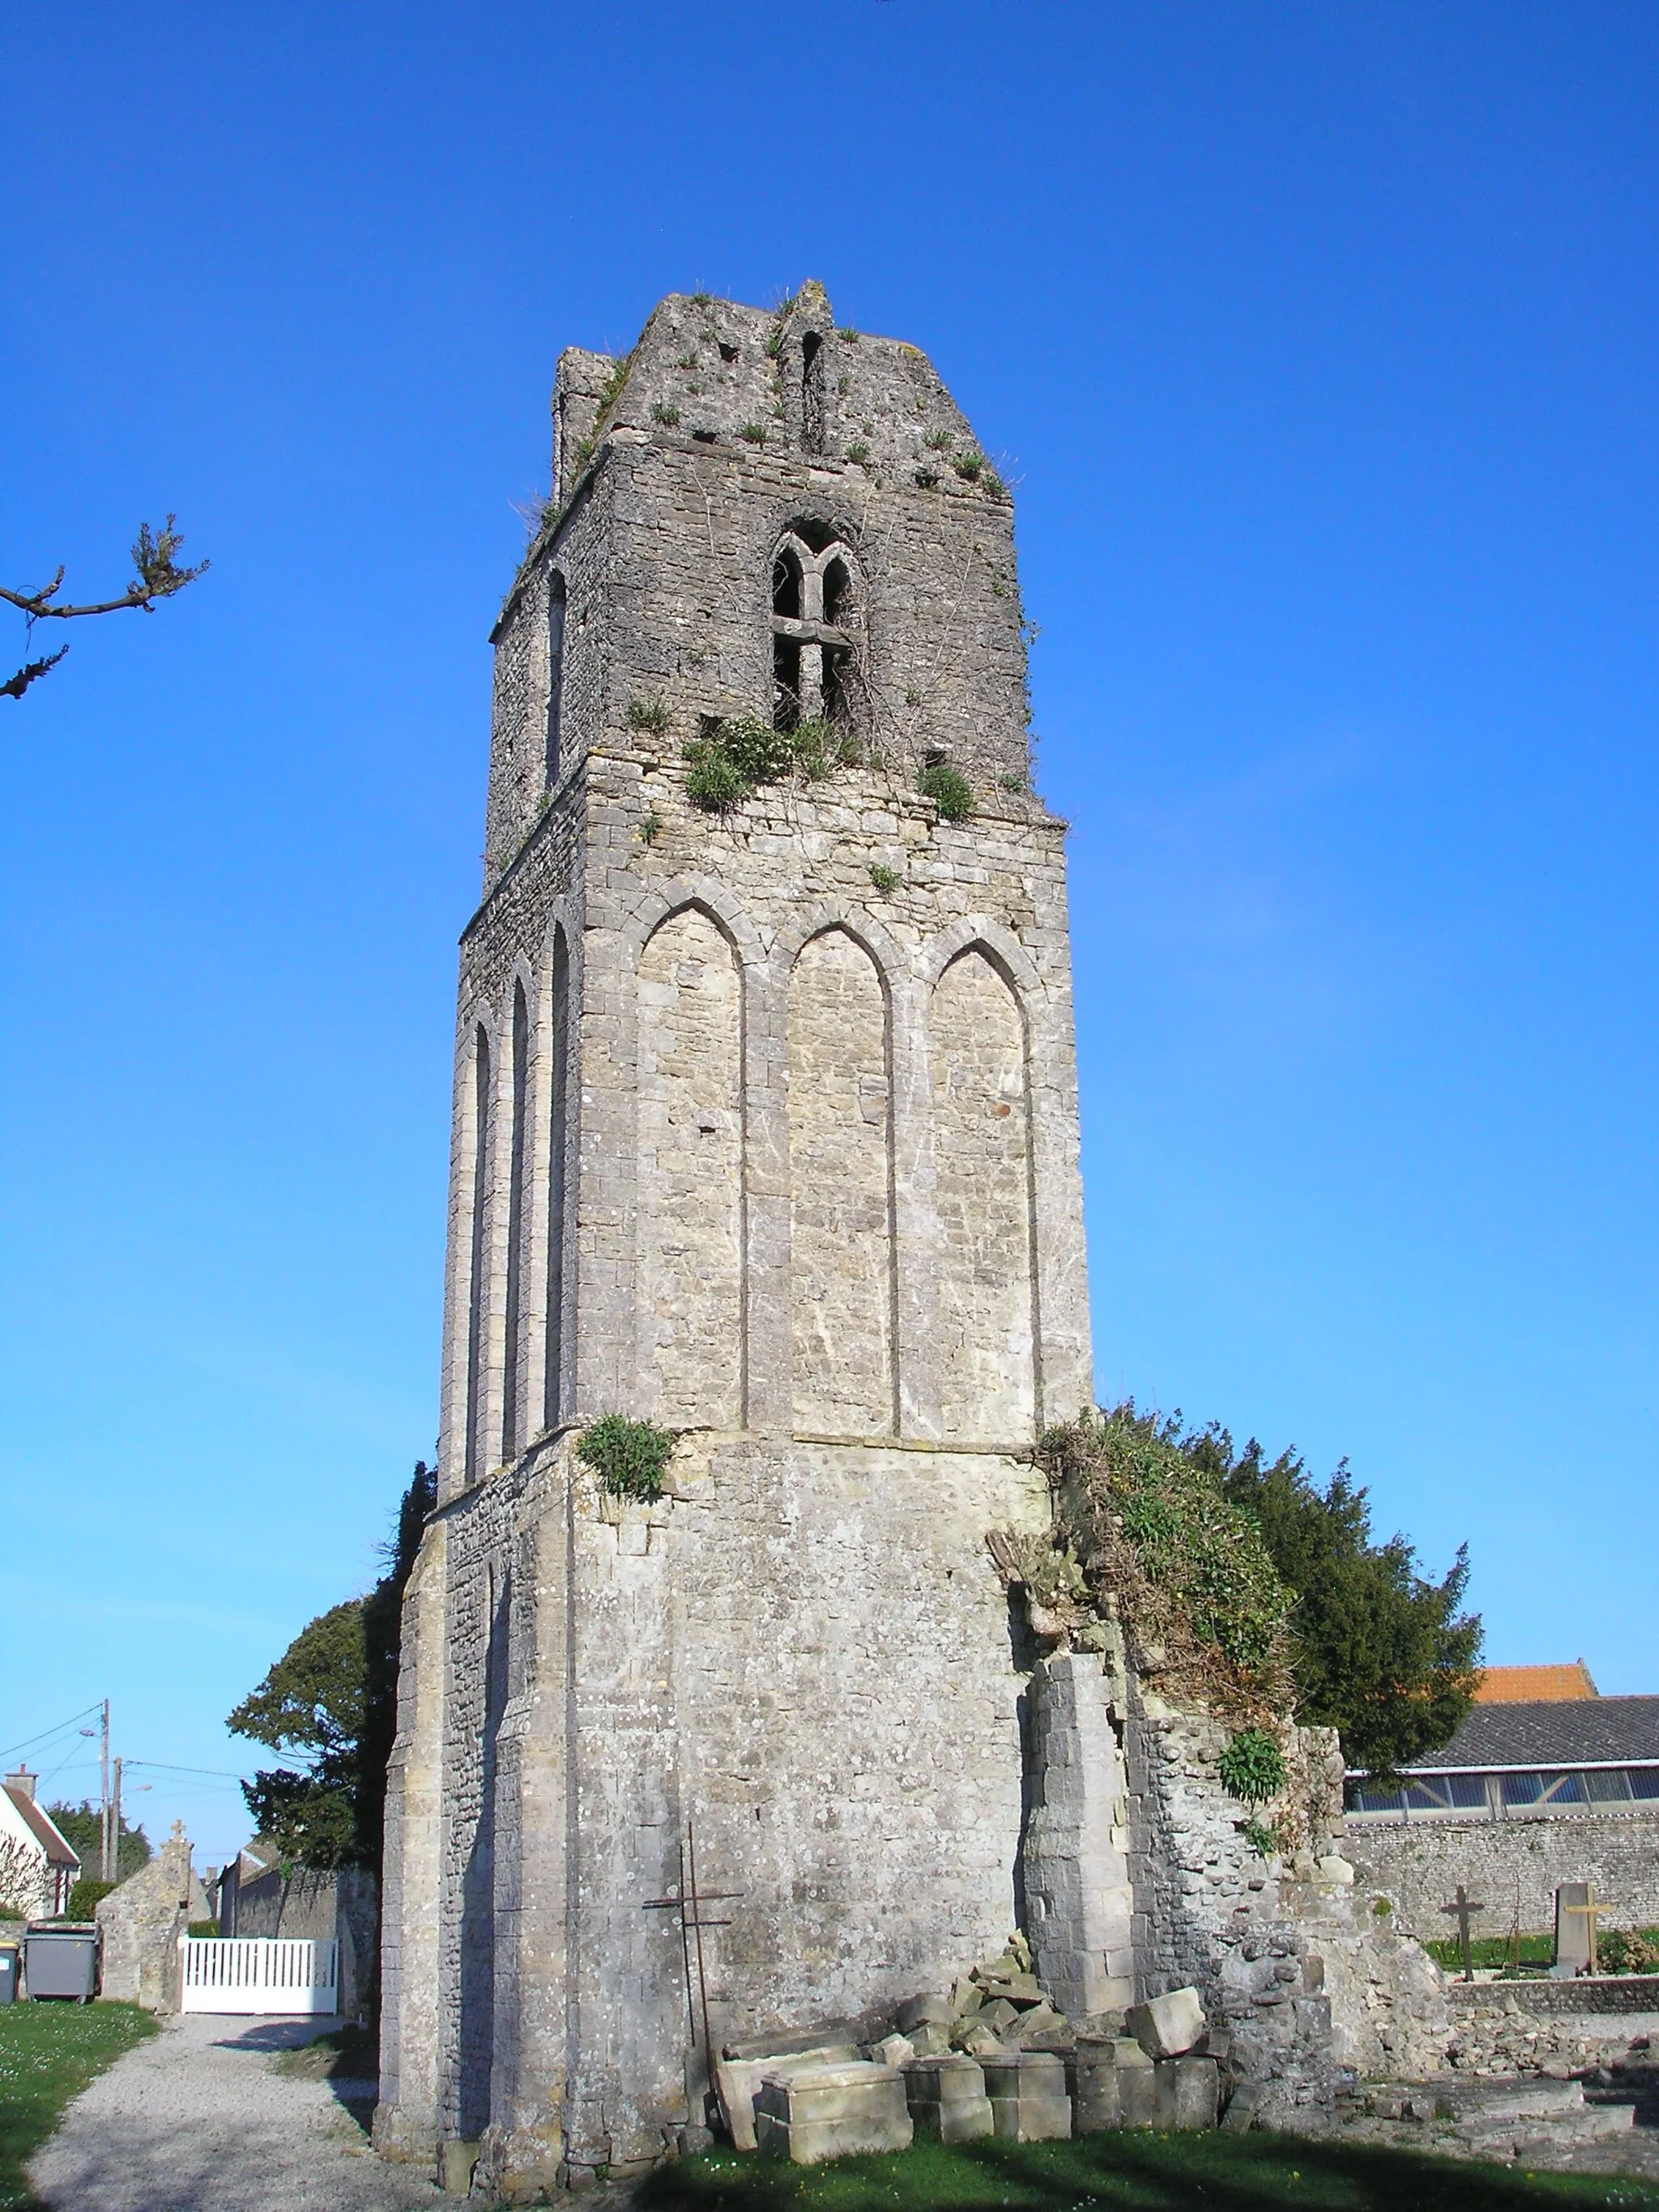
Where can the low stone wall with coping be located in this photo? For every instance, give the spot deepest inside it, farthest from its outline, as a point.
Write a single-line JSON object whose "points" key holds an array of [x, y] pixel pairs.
{"points": [[1511, 1865]]}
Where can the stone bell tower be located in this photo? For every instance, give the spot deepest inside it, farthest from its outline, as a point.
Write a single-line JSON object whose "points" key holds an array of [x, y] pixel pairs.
{"points": [[765, 1130]]}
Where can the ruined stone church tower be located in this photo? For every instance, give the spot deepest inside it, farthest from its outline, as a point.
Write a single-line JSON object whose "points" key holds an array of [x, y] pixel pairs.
{"points": [[765, 1130]]}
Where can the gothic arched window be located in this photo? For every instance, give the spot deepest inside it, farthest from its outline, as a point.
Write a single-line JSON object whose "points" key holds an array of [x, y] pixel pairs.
{"points": [[814, 613], [556, 605]]}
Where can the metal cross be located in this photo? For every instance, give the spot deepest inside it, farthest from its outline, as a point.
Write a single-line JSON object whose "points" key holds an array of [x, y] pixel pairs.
{"points": [[1590, 1909], [1465, 1905], [686, 1902]]}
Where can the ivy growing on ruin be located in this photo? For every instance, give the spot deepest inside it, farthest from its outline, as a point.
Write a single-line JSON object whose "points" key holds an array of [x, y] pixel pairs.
{"points": [[1190, 1573]]}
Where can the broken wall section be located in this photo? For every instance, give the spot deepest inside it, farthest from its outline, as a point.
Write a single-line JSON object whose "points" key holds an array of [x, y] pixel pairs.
{"points": [[1138, 1880]]}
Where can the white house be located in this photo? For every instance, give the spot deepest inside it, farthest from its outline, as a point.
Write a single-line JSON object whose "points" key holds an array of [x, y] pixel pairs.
{"points": [[38, 1865]]}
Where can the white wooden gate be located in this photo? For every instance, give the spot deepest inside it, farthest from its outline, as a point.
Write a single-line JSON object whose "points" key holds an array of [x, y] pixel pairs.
{"points": [[257, 1974]]}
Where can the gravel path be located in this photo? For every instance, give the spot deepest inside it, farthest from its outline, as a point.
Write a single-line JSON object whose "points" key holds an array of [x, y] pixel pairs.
{"points": [[196, 2120]]}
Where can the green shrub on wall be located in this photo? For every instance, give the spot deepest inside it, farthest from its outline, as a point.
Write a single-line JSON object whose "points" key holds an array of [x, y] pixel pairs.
{"points": [[630, 1458], [1252, 1766]]}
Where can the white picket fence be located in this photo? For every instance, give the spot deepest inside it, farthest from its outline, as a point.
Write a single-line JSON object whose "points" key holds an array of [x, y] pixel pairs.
{"points": [[259, 1973]]}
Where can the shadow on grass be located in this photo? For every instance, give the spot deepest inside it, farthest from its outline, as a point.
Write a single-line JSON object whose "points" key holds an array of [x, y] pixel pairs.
{"points": [[1128, 2172]]}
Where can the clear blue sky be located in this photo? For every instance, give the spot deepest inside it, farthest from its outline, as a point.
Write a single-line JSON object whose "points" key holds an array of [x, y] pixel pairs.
{"points": [[1320, 340]]}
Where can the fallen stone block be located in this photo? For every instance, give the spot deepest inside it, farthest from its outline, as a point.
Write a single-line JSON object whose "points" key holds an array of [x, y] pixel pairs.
{"points": [[930, 2039], [1096, 2087], [978, 2040], [893, 2050], [1189, 2092], [738, 2082], [1242, 2106], [1168, 2026], [806, 2114], [1028, 2099], [1040, 2019], [1018, 1989], [1112, 2085], [947, 2100], [998, 2014], [919, 2011]]}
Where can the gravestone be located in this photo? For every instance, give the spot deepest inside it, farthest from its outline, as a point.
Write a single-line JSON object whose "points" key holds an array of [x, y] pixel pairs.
{"points": [[1575, 1911]]}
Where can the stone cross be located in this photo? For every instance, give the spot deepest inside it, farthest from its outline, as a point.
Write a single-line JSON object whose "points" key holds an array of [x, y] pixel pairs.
{"points": [[1464, 1906], [1575, 1945]]}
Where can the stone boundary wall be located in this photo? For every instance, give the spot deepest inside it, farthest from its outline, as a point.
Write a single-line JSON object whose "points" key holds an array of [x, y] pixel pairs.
{"points": [[142, 1922], [1418, 1864], [1588, 1994], [325, 1906]]}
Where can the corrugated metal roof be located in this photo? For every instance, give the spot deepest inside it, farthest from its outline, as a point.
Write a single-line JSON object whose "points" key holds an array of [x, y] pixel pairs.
{"points": [[1546, 1731]]}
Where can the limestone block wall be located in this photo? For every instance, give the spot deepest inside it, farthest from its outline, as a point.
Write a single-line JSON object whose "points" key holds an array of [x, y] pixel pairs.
{"points": [[765, 1127], [660, 549], [804, 1649], [1511, 1865], [142, 1922], [1306, 1982], [821, 1173]]}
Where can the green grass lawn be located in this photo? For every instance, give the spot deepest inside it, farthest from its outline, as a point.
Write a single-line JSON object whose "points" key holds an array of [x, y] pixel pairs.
{"points": [[1128, 2172], [48, 2054]]}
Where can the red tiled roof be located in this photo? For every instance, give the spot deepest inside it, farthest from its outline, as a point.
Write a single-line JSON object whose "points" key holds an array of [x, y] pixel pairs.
{"points": [[1535, 1686], [58, 1851]]}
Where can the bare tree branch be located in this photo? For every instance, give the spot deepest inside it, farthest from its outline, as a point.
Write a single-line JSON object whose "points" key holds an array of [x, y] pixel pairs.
{"points": [[157, 575], [15, 686]]}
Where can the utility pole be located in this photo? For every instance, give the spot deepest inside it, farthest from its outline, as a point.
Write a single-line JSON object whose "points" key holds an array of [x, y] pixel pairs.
{"points": [[114, 1874], [107, 1852]]}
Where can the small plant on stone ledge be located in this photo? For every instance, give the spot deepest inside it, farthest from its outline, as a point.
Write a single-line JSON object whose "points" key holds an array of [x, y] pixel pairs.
{"points": [[1252, 1766], [735, 756], [668, 416], [1012, 781], [630, 1458], [1262, 1838], [884, 879], [950, 790], [859, 453], [648, 714], [651, 827], [753, 434]]}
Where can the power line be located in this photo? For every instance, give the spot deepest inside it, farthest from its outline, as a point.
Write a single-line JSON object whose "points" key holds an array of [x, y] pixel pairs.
{"points": [[97, 1706], [163, 1766]]}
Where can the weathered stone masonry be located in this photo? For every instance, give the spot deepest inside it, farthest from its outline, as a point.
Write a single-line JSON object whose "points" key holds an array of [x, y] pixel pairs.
{"points": [[765, 1127], [784, 1160]]}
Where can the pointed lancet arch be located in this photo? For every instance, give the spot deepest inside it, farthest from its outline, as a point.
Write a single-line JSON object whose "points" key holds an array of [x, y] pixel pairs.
{"points": [[689, 1259], [516, 1076], [477, 1145], [556, 1153]]}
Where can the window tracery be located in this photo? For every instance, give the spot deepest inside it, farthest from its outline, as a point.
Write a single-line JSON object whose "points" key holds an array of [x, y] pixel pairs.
{"points": [[815, 615]]}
